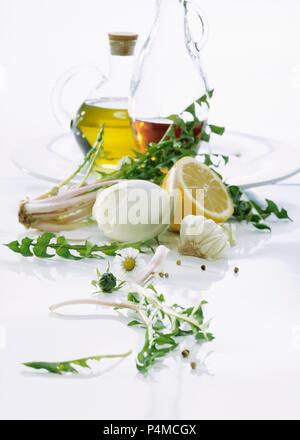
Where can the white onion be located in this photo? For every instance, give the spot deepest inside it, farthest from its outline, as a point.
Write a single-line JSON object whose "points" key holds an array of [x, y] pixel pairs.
{"points": [[133, 210]]}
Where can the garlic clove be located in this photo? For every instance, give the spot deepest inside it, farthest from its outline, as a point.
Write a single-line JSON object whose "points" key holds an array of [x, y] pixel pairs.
{"points": [[203, 237]]}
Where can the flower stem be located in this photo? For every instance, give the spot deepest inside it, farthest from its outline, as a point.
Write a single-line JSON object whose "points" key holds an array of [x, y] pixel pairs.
{"points": [[96, 302]]}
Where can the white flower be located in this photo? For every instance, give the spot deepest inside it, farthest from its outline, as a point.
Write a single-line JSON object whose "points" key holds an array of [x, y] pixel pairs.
{"points": [[127, 264]]}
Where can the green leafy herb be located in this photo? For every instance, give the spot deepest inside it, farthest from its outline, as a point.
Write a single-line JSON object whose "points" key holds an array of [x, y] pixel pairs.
{"points": [[70, 366], [42, 246], [163, 325], [208, 159], [250, 211], [217, 130], [135, 323], [132, 297], [205, 98], [181, 140]]}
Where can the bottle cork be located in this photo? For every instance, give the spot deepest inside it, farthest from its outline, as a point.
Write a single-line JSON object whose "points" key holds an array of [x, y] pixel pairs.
{"points": [[122, 43]]}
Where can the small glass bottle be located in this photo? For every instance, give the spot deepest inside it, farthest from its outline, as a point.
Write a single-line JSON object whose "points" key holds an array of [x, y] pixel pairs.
{"points": [[106, 104]]}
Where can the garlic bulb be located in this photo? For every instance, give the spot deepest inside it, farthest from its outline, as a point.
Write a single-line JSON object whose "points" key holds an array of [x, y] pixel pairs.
{"points": [[203, 238]]}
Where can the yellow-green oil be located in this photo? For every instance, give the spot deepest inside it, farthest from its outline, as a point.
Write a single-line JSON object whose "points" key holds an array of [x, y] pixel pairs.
{"points": [[118, 136]]}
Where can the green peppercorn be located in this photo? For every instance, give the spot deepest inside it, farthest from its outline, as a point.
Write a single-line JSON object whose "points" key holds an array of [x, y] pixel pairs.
{"points": [[236, 270], [193, 365], [178, 262], [185, 353]]}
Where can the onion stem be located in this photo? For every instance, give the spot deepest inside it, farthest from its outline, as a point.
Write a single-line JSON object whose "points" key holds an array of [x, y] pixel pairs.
{"points": [[66, 207]]}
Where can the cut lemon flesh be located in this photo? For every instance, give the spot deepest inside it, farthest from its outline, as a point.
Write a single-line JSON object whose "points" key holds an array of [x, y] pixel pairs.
{"points": [[200, 189]]}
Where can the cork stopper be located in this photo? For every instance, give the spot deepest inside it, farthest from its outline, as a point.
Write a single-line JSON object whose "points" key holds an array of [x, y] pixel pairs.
{"points": [[122, 43]]}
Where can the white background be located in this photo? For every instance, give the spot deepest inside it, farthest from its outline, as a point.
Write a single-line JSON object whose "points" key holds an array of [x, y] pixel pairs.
{"points": [[253, 61], [252, 58]]}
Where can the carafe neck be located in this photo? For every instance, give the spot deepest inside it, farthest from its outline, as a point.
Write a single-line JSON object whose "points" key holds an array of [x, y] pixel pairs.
{"points": [[170, 22], [172, 10], [169, 3]]}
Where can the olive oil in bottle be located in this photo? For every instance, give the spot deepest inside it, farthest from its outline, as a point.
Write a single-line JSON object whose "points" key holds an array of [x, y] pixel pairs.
{"points": [[118, 136], [109, 107]]}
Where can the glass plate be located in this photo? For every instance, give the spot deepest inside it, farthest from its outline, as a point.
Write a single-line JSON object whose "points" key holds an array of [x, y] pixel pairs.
{"points": [[253, 160]]}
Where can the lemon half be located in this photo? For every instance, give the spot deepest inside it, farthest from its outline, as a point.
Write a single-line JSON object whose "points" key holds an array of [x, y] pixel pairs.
{"points": [[188, 176]]}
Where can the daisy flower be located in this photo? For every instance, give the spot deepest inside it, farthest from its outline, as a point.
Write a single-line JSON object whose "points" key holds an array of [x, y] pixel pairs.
{"points": [[128, 264]]}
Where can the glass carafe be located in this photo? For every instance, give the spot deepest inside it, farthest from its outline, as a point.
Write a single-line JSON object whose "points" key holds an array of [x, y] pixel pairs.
{"points": [[168, 74], [107, 104]]}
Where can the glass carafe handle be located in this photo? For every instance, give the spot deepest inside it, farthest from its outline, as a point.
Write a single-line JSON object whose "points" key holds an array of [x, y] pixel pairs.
{"points": [[59, 108], [199, 43]]}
